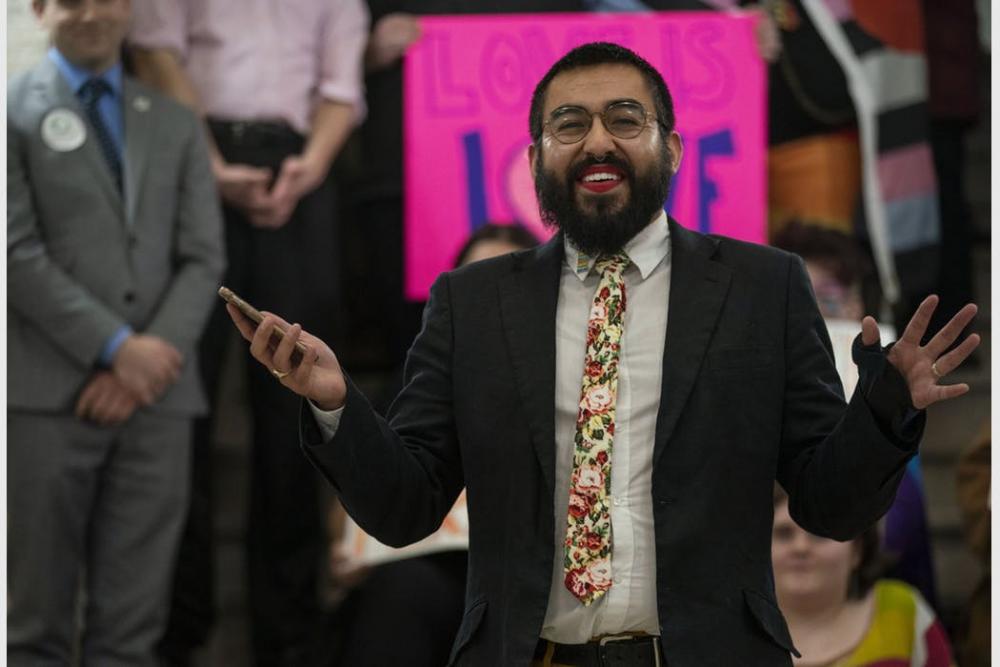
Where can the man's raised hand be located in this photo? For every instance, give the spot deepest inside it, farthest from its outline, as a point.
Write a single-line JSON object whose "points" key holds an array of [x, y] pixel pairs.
{"points": [[923, 366], [317, 376]]}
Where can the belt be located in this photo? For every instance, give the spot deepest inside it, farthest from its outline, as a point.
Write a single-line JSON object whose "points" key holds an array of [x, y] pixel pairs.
{"points": [[611, 651], [253, 131]]}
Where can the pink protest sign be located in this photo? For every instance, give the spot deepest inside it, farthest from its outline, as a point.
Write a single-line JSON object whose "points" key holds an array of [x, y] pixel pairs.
{"points": [[467, 88]]}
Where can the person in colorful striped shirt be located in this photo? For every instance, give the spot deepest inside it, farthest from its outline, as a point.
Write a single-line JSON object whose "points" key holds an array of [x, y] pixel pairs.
{"points": [[839, 612]]}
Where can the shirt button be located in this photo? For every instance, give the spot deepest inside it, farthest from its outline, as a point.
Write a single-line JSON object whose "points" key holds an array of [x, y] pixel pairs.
{"points": [[129, 296]]}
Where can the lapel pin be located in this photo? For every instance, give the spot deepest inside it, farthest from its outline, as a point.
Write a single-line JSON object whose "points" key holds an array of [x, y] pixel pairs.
{"points": [[63, 130], [141, 103]]}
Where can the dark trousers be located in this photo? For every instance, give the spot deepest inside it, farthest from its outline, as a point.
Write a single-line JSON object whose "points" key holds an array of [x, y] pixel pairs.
{"points": [[292, 272]]}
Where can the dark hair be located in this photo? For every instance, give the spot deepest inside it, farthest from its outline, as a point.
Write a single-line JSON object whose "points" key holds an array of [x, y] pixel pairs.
{"points": [[872, 564], [511, 233], [835, 251], [602, 53]]}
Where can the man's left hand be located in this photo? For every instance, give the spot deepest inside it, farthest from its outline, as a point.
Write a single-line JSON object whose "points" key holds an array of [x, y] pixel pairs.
{"points": [[105, 400], [923, 366], [296, 179]]}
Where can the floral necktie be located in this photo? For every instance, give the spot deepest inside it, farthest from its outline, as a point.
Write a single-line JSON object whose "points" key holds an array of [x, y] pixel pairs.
{"points": [[587, 563]]}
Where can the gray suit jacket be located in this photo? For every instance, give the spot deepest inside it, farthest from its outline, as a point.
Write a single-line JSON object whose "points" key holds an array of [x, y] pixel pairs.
{"points": [[82, 260]]}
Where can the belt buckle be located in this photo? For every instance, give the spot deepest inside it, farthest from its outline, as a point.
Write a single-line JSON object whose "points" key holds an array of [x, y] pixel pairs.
{"points": [[614, 638]]}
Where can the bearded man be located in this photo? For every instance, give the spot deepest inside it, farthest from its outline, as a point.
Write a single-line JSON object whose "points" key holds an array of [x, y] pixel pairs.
{"points": [[619, 403]]}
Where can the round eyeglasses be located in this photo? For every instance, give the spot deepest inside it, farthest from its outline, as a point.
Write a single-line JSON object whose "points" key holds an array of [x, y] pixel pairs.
{"points": [[625, 120]]}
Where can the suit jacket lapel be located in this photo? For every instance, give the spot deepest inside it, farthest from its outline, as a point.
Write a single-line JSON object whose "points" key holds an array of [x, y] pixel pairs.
{"points": [[137, 139], [528, 297], [56, 93], [698, 288]]}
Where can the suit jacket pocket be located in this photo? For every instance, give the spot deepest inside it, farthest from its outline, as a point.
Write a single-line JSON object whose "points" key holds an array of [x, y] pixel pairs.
{"points": [[470, 623], [769, 617]]}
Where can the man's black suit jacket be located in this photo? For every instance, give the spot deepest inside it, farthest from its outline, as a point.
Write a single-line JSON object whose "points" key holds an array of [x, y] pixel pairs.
{"points": [[750, 394]]}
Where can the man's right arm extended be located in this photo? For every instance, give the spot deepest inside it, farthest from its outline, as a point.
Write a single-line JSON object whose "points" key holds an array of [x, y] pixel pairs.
{"points": [[399, 478]]}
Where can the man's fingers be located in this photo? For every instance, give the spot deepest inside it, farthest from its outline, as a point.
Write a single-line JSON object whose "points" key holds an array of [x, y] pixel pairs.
{"points": [[142, 388], [115, 410], [259, 345], [242, 322], [281, 187], [123, 407], [917, 325], [104, 407], [243, 174], [173, 355], [954, 359], [949, 391], [301, 373], [146, 394], [282, 358], [950, 332], [83, 404], [277, 319], [869, 331]]}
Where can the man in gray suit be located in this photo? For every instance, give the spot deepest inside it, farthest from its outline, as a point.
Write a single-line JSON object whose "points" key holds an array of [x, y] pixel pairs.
{"points": [[114, 250]]}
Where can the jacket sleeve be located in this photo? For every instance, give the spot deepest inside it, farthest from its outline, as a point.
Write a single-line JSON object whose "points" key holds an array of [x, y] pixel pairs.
{"points": [[398, 478], [840, 467], [198, 253]]}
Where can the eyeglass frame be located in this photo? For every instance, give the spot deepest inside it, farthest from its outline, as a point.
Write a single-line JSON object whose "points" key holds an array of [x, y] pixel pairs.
{"points": [[647, 117]]}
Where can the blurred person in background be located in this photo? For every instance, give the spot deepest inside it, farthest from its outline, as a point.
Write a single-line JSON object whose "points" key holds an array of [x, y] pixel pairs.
{"points": [[114, 251], [279, 85], [420, 596], [837, 269], [848, 133], [840, 613]]}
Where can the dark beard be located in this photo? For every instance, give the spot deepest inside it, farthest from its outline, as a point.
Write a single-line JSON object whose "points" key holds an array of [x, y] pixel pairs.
{"points": [[603, 232]]}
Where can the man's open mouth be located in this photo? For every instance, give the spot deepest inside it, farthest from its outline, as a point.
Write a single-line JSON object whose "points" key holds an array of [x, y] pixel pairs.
{"points": [[600, 178]]}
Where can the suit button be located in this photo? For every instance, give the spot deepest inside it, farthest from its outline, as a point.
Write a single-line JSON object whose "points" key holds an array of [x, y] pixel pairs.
{"points": [[129, 296]]}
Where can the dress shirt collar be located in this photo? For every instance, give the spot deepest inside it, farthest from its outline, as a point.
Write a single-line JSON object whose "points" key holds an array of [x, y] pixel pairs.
{"points": [[76, 76], [646, 250]]}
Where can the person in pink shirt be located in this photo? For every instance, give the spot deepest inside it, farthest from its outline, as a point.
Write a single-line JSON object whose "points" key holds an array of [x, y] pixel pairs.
{"points": [[280, 87]]}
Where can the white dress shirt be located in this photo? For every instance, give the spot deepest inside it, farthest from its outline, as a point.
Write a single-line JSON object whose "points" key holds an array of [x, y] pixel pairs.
{"points": [[630, 604]]}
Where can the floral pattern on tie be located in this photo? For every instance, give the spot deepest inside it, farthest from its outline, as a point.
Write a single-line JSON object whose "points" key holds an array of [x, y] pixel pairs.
{"points": [[587, 561]]}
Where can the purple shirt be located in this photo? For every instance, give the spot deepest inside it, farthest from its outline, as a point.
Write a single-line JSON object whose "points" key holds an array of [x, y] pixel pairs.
{"points": [[262, 59]]}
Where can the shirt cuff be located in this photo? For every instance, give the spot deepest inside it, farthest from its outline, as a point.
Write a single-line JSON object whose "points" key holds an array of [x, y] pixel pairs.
{"points": [[110, 348], [887, 394], [328, 421]]}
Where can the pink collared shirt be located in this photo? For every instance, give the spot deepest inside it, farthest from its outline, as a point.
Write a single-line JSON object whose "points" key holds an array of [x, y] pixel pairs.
{"points": [[262, 59]]}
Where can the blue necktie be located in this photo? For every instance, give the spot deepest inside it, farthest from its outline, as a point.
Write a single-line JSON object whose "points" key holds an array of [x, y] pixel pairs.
{"points": [[91, 93]]}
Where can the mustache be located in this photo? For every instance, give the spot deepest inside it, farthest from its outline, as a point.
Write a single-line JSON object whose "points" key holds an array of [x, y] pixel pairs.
{"points": [[576, 172]]}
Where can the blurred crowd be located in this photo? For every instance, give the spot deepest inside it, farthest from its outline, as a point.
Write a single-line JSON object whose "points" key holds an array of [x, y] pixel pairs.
{"points": [[264, 153]]}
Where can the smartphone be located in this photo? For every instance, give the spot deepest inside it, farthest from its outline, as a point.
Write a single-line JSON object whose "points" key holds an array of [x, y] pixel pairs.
{"points": [[254, 316]]}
